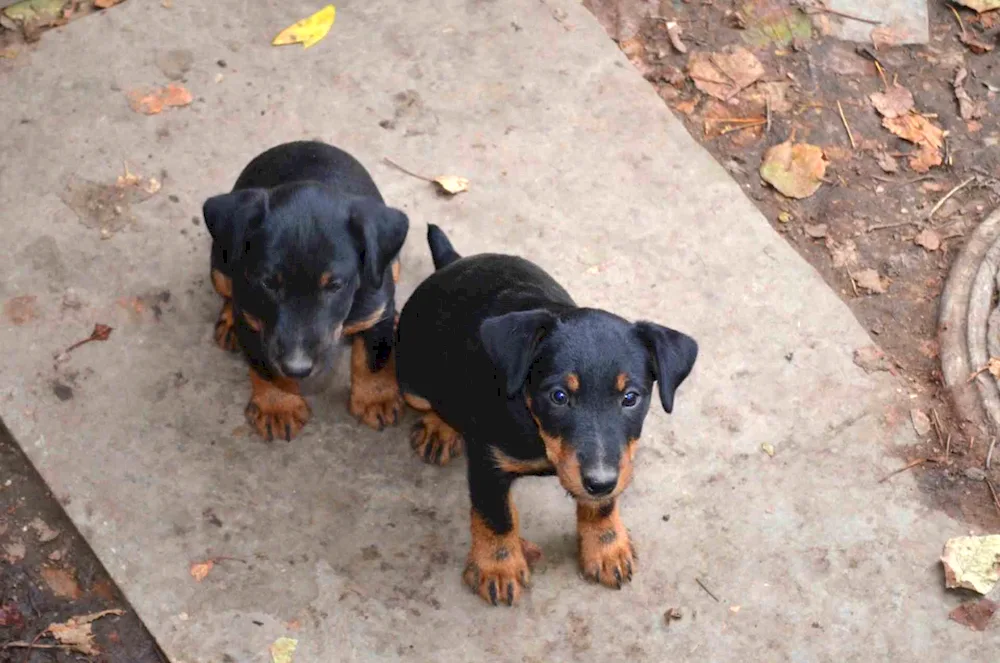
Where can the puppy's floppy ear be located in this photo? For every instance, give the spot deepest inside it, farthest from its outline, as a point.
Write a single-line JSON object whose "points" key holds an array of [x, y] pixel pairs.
{"points": [[230, 216], [379, 231], [673, 356], [510, 341]]}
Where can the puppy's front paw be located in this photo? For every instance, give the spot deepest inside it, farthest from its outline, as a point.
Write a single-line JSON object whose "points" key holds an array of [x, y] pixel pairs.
{"points": [[500, 573], [225, 329], [435, 441], [274, 412], [375, 397], [607, 554]]}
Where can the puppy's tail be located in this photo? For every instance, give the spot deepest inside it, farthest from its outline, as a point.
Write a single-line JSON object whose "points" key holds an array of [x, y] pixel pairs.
{"points": [[442, 251]]}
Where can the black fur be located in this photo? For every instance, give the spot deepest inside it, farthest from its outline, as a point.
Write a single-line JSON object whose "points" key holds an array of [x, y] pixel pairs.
{"points": [[490, 340], [309, 244]]}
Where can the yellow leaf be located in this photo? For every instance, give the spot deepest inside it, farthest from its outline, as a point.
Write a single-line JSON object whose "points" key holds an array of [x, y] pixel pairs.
{"points": [[452, 183], [201, 569], [309, 30], [767, 448], [282, 650]]}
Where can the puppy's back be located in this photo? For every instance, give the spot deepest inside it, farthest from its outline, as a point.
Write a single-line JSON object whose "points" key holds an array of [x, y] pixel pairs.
{"points": [[304, 161]]}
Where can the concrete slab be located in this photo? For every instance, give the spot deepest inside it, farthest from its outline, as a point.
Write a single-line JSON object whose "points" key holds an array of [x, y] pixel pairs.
{"points": [[351, 545], [905, 21]]}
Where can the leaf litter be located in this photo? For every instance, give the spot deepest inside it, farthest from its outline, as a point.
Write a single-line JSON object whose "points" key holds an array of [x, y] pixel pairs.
{"points": [[967, 107], [794, 169], [309, 31], [725, 74], [76, 634], [154, 101], [108, 207]]}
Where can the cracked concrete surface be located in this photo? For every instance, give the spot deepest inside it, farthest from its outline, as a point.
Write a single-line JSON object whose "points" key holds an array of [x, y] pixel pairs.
{"points": [[351, 545]]}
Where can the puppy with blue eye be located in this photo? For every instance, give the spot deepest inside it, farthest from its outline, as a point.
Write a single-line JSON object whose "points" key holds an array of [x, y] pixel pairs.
{"points": [[497, 356], [305, 255]]}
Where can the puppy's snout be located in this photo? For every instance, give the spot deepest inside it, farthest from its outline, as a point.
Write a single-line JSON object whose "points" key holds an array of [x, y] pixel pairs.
{"points": [[600, 481], [297, 364]]}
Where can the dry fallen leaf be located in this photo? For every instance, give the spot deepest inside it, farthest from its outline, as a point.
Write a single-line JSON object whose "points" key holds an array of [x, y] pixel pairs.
{"points": [[61, 582], [104, 4], [77, 632], [282, 650], [871, 358], [967, 108], [200, 569], [870, 280], [929, 239], [723, 75], [921, 422], [894, 102], [308, 31], [767, 448], [796, 170], [815, 230], [674, 32], [452, 184], [972, 562], [980, 5], [928, 137], [42, 529], [976, 46], [151, 103], [887, 162], [974, 614], [884, 37]]}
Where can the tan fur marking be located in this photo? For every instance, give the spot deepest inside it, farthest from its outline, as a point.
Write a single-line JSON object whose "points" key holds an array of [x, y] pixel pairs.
{"points": [[621, 381], [225, 335], [562, 457], [367, 323], [573, 382], [375, 398], [499, 561], [222, 284], [276, 409], [324, 279], [511, 465], [253, 322], [417, 403], [396, 269], [434, 441], [607, 555]]}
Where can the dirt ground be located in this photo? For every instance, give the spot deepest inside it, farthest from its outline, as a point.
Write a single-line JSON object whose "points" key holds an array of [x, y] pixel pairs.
{"points": [[873, 210], [48, 574]]}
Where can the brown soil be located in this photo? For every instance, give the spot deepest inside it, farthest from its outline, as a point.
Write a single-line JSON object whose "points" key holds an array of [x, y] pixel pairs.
{"points": [[49, 574], [863, 217]]}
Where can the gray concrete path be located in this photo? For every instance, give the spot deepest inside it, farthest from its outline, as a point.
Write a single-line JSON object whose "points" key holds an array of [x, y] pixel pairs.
{"points": [[353, 546]]}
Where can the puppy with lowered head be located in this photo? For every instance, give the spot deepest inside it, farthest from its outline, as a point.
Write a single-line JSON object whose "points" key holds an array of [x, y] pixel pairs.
{"points": [[497, 354], [305, 258]]}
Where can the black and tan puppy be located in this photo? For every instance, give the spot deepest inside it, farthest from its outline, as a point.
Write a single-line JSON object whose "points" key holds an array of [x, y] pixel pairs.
{"points": [[305, 256], [495, 352]]}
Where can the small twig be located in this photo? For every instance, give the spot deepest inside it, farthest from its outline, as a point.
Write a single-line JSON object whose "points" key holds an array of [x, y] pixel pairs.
{"points": [[854, 284], [822, 8], [404, 170], [894, 224], [989, 454], [914, 180], [843, 119], [958, 18], [100, 333], [881, 73], [20, 644], [707, 590], [993, 492], [735, 120], [948, 195], [767, 104], [937, 426], [33, 644], [742, 127], [972, 441], [908, 466], [947, 449]]}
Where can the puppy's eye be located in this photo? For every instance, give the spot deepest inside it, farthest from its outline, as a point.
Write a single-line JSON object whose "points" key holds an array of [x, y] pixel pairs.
{"points": [[332, 285], [630, 399], [559, 397]]}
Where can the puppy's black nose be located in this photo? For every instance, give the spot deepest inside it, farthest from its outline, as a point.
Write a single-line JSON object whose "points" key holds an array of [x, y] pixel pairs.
{"points": [[599, 484], [297, 366]]}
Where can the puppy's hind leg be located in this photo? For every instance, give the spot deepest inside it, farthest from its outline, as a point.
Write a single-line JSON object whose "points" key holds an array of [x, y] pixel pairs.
{"points": [[225, 332], [431, 438]]}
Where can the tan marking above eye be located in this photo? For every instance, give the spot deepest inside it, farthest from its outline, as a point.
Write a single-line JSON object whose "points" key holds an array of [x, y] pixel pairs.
{"points": [[573, 382], [324, 279], [621, 382]]}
